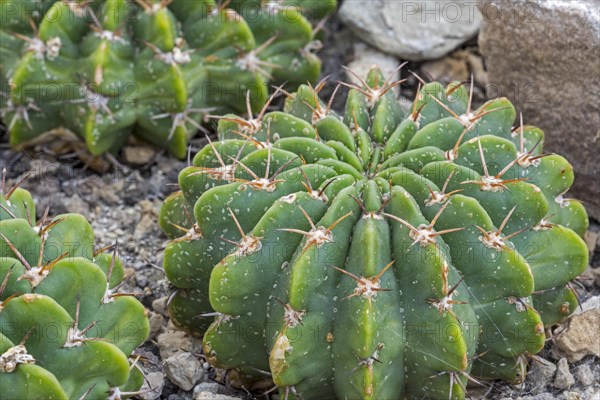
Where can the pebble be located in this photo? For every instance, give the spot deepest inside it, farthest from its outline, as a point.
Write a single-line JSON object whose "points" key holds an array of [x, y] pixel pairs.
{"points": [[591, 239], [365, 57], [543, 396], [572, 396], [212, 396], [154, 380], [73, 204], [580, 338], [563, 379], [160, 305], [156, 324], [145, 227], [540, 375], [138, 155], [584, 374], [184, 370], [174, 341], [207, 387]]}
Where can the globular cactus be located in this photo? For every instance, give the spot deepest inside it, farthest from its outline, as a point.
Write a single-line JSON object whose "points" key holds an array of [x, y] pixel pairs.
{"points": [[387, 254], [65, 331], [152, 68]]}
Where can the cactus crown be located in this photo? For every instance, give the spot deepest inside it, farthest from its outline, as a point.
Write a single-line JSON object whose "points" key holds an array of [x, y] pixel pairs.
{"points": [[154, 68], [379, 255], [65, 332]]}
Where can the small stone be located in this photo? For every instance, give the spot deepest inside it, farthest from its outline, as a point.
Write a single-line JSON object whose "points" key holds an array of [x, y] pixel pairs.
{"points": [[212, 396], [563, 379], [74, 204], [207, 387], [584, 374], [540, 375], [577, 341], [184, 370], [129, 275], [543, 396], [155, 381], [590, 304], [110, 193], [572, 396], [447, 69], [174, 341], [457, 66], [365, 57], [160, 305], [144, 227], [591, 392], [138, 155], [591, 239], [156, 324], [412, 30], [142, 281]]}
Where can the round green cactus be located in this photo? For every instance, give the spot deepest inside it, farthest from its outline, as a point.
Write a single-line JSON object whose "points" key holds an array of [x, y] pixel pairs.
{"points": [[387, 254], [65, 331], [154, 68]]}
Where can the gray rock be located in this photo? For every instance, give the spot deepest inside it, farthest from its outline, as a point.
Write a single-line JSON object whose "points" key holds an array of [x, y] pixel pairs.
{"points": [[153, 385], [584, 374], [581, 336], [212, 396], [540, 375], [591, 392], [184, 370], [458, 66], [144, 227], [174, 341], [207, 387], [563, 379], [590, 304], [572, 396], [544, 56], [160, 305], [138, 155], [365, 57], [74, 204], [156, 323], [543, 396], [413, 30]]}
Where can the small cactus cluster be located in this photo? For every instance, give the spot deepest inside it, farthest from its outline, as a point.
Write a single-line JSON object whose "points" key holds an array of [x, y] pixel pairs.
{"points": [[382, 254], [65, 331], [152, 68]]}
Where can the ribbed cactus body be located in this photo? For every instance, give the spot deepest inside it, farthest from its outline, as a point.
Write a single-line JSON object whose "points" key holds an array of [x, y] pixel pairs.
{"points": [[382, 255], [65, 333], [155, 69]]}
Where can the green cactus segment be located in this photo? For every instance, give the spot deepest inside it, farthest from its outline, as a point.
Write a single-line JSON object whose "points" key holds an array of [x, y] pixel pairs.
{"points": [[19, 384], [372, 256], [108, 69], [65, 332]]}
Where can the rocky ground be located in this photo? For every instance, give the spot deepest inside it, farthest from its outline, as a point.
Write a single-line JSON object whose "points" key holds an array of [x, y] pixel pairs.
{"points": [[123, 206]]}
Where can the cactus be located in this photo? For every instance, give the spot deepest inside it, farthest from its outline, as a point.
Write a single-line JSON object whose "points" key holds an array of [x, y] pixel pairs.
{"points": [[65, 331], [154, 68], [385, 254]]}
